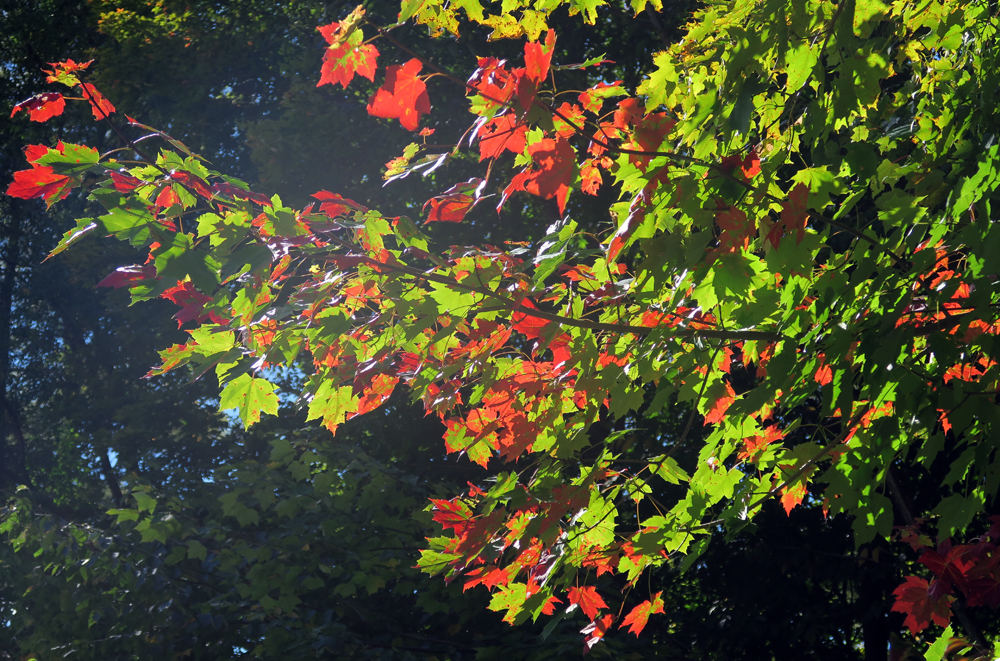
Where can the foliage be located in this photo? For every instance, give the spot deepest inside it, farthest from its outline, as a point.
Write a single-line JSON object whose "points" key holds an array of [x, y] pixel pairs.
{"points": [[802, 250]]}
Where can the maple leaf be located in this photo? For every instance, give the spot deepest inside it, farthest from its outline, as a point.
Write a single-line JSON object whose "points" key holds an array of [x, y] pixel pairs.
{"points": [[40, 181], [167, 198], [538, 58], [754, 446], [238, 193], [553, 163], [63, 72], [41, 106], [192, 303], [125, 276], [251, 397], [99, 105], [452, 514], [333, 204], [736, 231], [574, 118], [595, 631], [637, 618], [345, 58], [824, 375], [587, 599], [454, 203], [403, 96], [375, 395], [914, 598], [724, 398], [792, 495], [124, 182], [751, 164], [502, 133], [590, 176], [794, 214], [950, 564], [629, 110]]}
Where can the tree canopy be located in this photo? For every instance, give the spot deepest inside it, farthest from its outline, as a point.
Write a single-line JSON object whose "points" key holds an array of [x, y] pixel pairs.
{"points": [[737, 307]]}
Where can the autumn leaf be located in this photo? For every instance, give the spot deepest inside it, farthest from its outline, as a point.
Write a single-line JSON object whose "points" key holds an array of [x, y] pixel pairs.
{"points": [[346, 56], [736, 231], [167, 198], [126, 276], [637, 618], [65, 72], [591, 180], [721, 396], [587, 599], [334, 204], [40, 181], [794, 215], [792, 495], [99, 105], [553, 163], [191, 301], [824, 375], [502, 133], [454, 203], [41, 106], [403, 96], [914, 598], [595, 631], [538, 58]]}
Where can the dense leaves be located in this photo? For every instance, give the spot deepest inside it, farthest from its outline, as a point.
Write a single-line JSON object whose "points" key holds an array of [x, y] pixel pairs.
{"points": [[801, 250]]}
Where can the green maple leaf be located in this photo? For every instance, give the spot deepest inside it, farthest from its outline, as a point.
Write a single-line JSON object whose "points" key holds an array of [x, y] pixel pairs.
{"points": [[251, 397]]}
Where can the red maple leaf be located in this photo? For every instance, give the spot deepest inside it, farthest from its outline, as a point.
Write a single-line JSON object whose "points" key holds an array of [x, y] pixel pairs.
{"points": [[191, 300], [717, 411], [238, 193], [375, 395], [40, 181], [792, 495], [950, 564], [553, 162], [824, 375], [167, 198], [334, 204], [99, 105], [751, 165], [794, 214], [913, 597], [41, 106], [501, 133], [538, 58], [403, 96], [637, 618], [595, 631], [449, 208], [629, 110], [125, 276], [587, 599], [454, 203], [649, 134], [736, 231], [344, 58], [591, 179], [124, 182]]}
